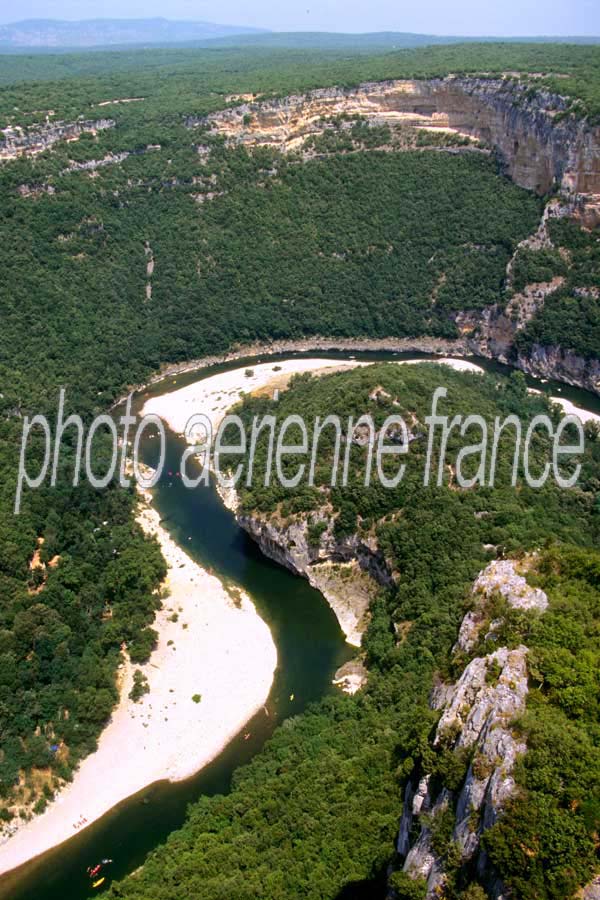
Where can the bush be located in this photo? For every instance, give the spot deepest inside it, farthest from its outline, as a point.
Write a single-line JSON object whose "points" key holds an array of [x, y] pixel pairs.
{"points": [[140, 686], [474, 892], [142, 646], [40, 806], [408, 888]]}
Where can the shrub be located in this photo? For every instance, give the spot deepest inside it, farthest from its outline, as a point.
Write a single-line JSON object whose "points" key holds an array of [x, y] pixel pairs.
{"points": [[408, 888], [140, 686]]}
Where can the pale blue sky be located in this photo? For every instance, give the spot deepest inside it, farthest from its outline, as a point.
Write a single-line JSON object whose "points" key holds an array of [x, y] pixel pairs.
{"points": [[468, 17]]}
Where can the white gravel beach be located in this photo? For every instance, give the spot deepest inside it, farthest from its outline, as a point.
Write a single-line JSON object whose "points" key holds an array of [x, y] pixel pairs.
{"points": [[570, 409], [215, 395], [209, 646]]}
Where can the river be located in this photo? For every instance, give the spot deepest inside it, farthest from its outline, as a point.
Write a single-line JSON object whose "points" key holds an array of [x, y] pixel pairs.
{"points": [[310, 647]]}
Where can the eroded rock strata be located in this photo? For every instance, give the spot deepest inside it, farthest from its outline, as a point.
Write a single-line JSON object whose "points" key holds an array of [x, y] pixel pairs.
{"points": [[16, 141], [476, 716], [541, 143], [348, 571]]}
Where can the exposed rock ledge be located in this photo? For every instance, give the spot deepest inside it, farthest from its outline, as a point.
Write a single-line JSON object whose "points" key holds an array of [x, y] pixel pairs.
{"points": [[490, 333], [351, 677], [18, 141], [347, 571], [476, 715], [500, 577], [539, 149], [592, 890], [561, 365]]}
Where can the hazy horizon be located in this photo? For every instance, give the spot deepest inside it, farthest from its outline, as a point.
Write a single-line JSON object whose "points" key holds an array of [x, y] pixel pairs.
{"points": [[518, 18]]}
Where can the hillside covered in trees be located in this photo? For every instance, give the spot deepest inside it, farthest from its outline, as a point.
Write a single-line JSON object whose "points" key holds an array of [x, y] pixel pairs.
{"points": [[144, 242], [318, 810]]}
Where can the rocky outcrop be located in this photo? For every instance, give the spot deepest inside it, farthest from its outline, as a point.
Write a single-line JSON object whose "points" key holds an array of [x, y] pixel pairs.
{"points": [[560, 365], [150, 264], [27, 142], [475, 723], [476, 717], [348, 571], [491, 332], [35, 191], [90, 165], [592, 890], [351, 677], [541, 143], [504, 577]]}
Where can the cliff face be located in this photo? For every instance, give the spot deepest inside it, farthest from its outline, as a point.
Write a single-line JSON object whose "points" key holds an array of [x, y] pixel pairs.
{"points": [[347, 571], [540, 143], [538, 150], [491, 334], [561, 365], [476, 716], [19, 142]]}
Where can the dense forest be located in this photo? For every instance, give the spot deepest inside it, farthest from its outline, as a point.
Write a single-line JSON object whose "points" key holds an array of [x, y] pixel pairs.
{"points": [[74, 81], [248, 246], [317, 811]]}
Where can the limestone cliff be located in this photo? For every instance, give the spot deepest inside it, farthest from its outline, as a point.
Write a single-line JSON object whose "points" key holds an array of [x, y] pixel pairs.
{"points": [[475, 725], [491, 332], [348, 571], [540, 141], [27, 142]]}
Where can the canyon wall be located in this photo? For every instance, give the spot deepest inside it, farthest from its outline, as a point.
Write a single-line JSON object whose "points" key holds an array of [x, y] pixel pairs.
{"points": [[491, 333], [541, 144], [16, 142], [348, 571]]}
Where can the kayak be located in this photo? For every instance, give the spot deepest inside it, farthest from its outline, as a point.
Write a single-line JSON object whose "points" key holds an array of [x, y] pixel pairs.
{"points": [[100, 881]]}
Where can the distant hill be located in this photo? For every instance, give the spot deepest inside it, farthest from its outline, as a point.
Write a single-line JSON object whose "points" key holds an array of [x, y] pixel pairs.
{"points": [[390, 40], [36, 34], [52, 35]]}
